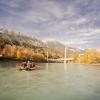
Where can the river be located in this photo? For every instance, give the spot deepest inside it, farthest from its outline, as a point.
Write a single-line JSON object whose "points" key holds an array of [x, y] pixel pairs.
{"points": [[51, 81]]}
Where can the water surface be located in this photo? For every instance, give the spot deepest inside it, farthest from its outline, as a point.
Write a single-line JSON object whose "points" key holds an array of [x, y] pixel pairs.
{"points": [[53, 81]]}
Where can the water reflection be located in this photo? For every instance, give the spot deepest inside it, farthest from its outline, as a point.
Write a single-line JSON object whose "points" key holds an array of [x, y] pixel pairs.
{"points": [[47, 66], [61, 67], [65, 67]]}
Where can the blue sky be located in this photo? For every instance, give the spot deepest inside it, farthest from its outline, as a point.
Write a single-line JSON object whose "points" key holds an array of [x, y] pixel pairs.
{"points": [[75, 22]]}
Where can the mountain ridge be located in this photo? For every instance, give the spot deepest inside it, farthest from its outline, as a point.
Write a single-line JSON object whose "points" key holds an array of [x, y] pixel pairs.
{"points": [[18, 38]]}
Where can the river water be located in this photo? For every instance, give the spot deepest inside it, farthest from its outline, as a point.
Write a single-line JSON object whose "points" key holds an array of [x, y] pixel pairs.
{"points": [[53, 81]]}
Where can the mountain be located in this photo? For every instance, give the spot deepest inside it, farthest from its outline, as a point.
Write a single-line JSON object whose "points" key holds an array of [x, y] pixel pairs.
{"points": [[61, 47], [55, 45], [12, 37], [17, 38], [16, 45]]}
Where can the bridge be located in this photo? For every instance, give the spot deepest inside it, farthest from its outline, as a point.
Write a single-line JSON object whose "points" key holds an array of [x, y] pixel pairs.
{"points": [[65, 59], [60, 60]]}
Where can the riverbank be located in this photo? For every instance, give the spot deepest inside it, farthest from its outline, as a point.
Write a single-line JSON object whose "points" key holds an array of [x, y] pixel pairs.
{"points": [[4, 59], [93, 64]]}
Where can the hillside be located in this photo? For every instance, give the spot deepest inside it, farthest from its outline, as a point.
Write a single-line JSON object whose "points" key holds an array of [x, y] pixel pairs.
{"points": [[16, 38], [17, 45], [61, 47]]}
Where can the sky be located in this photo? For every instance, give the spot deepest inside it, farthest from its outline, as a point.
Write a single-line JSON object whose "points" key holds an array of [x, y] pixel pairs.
{"points": [[73, 22]]}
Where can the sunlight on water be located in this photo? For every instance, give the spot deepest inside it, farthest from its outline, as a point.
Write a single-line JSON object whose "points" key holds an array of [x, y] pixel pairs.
{"points": [[53, 81]]}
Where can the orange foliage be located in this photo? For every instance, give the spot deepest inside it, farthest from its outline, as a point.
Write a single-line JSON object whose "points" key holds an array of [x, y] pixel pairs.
{"points": [[38, 57]]}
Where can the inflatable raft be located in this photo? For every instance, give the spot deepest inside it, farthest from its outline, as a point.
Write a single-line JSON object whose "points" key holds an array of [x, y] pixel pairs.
{"points": [[23, 66]]}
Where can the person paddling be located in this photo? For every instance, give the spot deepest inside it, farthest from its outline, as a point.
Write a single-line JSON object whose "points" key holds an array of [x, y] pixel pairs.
{"points": [[28, 64]]}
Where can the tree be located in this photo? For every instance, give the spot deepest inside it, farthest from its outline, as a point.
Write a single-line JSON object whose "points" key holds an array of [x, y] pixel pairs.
{"points": [[89, 55], [13, 51], [7, 51], [38, 57]]}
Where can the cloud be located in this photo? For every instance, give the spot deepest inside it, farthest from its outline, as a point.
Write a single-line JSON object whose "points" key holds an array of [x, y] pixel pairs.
{"points": [[75, 22]]}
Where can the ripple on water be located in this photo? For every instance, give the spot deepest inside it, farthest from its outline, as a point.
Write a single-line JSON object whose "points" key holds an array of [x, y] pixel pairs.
{"points": [[50, 82]]}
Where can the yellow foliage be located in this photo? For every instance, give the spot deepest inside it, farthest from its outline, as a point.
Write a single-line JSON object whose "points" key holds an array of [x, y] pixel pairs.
{"points": [[19, 54], [7, 50], [90, 56], [38, 57], [13, 51]]}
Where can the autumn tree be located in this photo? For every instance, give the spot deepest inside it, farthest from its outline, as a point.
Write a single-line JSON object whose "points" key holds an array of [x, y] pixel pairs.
{"points": [[7, 51], [38, 57]]}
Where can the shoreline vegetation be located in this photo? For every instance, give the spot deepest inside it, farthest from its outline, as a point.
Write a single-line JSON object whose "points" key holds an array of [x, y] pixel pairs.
{"points": [[18, 47], [16, 60], [3, 59]]}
